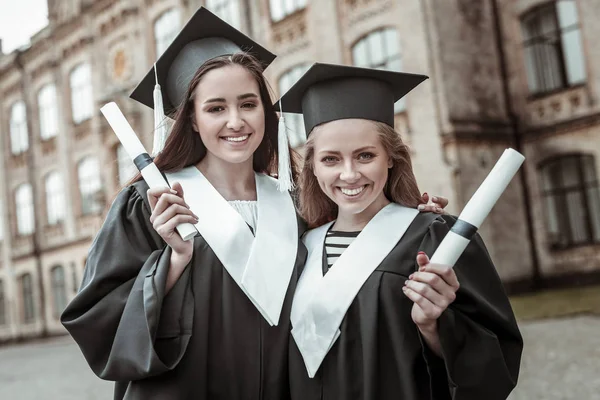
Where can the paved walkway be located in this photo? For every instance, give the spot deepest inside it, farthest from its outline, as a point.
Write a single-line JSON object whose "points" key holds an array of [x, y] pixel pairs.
{"points": [[561, 362]]}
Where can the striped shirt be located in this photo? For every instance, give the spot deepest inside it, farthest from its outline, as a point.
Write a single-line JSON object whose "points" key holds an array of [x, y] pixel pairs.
{"points": [[335, 244]]}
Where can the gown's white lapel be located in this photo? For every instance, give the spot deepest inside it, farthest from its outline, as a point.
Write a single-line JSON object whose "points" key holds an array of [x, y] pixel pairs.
{"points": [[261, 265], [271, 262], [321, 302]]}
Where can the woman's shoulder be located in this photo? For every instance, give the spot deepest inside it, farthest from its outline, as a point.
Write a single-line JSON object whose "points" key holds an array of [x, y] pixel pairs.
{"points": [[134, 195]]}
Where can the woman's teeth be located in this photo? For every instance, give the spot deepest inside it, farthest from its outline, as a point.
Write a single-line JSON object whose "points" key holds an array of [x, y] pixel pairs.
{"points": [[236, 139], [352, 192]]}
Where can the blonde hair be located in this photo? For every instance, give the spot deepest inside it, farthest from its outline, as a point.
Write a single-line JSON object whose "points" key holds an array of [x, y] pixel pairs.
{"points": [[401, 186]]}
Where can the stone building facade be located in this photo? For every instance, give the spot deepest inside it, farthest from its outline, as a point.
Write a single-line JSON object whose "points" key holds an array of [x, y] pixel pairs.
{"points": [[504, 73]]}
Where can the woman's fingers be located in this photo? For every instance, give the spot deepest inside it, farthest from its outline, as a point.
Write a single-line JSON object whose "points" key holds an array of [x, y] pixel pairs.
{"points": [[438, 285], [168, 228], [428, 292], [164, 202], [155, 193], [429, 310], [443, 271], [171, 212]]}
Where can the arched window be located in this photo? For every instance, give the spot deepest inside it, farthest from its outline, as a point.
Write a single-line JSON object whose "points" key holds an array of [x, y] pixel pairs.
{"points": [[59, 291], [282, 8], [293, 122], [55, 198], [166, 28], [228, 10], [25, 212], [89, 185], [19, 142], [47, 104], [3, 318], [28, 310], [553, 47], [380, 49], [572, 200], [82, 101]]}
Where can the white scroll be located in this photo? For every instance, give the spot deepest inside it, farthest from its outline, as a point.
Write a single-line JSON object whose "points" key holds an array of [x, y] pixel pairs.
{"points": [[478, 208], [131, 143]]}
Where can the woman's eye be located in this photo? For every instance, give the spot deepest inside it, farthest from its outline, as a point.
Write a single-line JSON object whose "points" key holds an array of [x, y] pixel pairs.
{"points": [[328, 159], [366, 156], [215, 109], [249, 105]]}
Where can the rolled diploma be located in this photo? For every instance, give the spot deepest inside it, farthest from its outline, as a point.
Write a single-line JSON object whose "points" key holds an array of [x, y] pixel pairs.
{"points": [[478, 208], [131, 143]]}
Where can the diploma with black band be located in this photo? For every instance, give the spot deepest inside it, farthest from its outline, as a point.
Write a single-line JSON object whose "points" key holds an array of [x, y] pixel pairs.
{"points": [[478, 208], [140, 157]]}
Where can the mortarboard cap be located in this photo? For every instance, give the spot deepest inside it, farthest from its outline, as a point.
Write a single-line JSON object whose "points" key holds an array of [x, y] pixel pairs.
{"points": [[328, 92], [204, 37]]}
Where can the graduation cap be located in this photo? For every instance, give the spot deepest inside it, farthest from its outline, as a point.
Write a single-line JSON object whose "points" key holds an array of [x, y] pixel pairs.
{"points": [[328, 92], [205, 36]]}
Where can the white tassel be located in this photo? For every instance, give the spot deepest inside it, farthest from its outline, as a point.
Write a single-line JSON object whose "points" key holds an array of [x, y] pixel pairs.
{"points": [[285, 181], [160, 127]]}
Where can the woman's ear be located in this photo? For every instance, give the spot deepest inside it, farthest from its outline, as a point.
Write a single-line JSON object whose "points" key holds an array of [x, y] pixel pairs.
{"points": [[390, 162]]}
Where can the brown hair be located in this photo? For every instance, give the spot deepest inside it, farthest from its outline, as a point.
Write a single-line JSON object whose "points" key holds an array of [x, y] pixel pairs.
{"points": [[184, 146], [401, 186]]}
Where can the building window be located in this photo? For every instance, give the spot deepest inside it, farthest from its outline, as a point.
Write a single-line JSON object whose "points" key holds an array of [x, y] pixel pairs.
{"points": [[166, 28], [47, 104], [19, 142], [24, 205], [293, 122], [126, 167], [89, 185], [572, 200], [82, 100], [282, 8], [28, 313], [553, 48], [59, 291], [2, 304], [380, 49], [228, 10], [55, 198]]}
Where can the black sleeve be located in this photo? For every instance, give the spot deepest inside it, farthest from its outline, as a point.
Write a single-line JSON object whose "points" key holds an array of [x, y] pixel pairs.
{"points": [[480, 339], [125, 326]]}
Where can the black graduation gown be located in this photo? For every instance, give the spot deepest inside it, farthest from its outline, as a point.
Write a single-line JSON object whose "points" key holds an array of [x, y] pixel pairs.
{"points": [[204, 340], [380, 353]]}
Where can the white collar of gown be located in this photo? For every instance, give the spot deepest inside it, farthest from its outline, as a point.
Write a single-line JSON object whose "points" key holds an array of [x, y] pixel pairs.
{"points": [[320, 302], [261, 264]]}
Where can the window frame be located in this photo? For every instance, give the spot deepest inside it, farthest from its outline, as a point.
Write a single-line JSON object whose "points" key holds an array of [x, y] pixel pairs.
{"points": [[24, 213], [59, 303], [167, 37], [81, 90], [84, 182], [298, 5], [232, 7], [559, 46], [27, 298], [48, 111], [18, 130], [55, 199], [559, 193]]}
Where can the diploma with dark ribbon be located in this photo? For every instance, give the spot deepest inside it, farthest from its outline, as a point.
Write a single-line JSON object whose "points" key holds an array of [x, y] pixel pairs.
{"points": [[478, 208], [143, 162]]}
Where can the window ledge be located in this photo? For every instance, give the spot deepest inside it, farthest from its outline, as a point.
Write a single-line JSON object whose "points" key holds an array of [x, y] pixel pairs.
{"points": [[542, 95]]}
